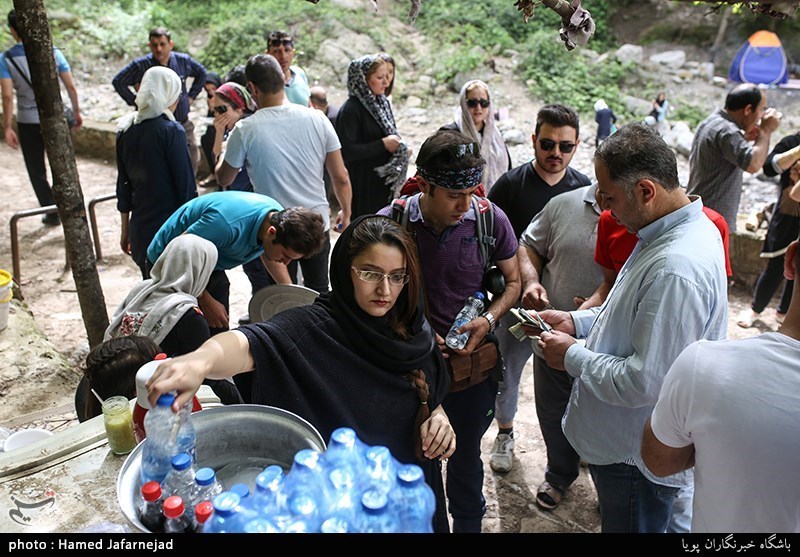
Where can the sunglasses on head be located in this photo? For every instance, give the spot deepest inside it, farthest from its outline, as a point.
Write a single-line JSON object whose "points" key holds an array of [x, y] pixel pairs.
{"points": [[221, 109], [275, 43], [564, 146], [472, 103]]}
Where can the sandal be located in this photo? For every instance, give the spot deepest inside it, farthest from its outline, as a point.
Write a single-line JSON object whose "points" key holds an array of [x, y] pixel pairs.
{"points": [[548, 496]]}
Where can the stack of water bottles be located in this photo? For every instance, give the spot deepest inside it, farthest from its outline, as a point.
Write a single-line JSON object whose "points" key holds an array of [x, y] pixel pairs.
{"points": [[350, 488], [172, 488]]}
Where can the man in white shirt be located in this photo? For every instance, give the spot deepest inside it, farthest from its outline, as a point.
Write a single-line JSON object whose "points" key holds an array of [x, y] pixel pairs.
{"points": [[731, 409]]}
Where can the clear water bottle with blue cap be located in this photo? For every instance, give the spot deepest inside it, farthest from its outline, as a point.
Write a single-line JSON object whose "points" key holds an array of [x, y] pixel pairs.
{"points": [[160, 444], [180, 479], [225, 515], [375, 516], [306, 515], [344, 449], [206, 486], [307, 476], [266, 499], [472, 309], [412, 500], [380, 470], [187, 436]]}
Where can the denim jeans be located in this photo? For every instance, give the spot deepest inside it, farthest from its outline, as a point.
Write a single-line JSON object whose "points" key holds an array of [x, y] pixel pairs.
{"points": [[32, 144], [515, 355], [629, 502]]}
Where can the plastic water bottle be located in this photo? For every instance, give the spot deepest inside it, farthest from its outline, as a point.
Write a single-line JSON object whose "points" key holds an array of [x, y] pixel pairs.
{"points": [[160, 446], [224, 517], [142, 405], [260, 525], [472, 309], [187, 437], [344, 449], [151, 507], [202, 512], [345, 495], [375, 517], [306, 514], [307, 476], [412, 500], [266, 500], [180, 480], [176, 520], [380, 470], [206, 486]]}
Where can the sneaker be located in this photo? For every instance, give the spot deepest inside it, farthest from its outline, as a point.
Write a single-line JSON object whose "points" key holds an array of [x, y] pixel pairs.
{"points": [[502, 453], [747, 318], [245, 320]]}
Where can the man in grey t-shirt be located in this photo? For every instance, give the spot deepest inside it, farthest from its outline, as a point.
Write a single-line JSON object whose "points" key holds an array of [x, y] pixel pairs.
{"points": [[285, 148], [15, 75]]}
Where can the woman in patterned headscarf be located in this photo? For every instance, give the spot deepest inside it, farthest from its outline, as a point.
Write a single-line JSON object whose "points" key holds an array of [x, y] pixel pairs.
{"points": [[231, 103], [475, 119], [374, 153]]}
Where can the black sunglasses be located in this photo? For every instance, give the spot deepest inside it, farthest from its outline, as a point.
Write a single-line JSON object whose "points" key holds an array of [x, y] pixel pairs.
{"points": [[472, 103], [287, 43], [221, 109], [564, 146]]}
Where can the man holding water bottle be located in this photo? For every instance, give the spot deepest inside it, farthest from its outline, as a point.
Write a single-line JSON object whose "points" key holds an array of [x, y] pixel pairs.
{"points": [[443, 221]]}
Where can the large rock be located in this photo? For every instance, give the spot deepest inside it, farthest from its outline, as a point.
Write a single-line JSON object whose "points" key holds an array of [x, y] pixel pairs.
{"points": [[671, 59], [630, 53]]}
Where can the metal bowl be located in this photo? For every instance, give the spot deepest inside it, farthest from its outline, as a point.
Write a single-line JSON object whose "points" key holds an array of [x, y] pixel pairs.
{"points": [[238, 441]]}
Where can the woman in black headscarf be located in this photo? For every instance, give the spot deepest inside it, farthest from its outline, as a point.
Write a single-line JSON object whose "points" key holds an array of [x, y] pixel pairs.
{"points": [[362, 355], [375, 155]]}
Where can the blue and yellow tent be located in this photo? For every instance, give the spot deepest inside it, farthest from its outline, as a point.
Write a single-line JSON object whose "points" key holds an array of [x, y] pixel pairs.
{"points": [[760, 60]]}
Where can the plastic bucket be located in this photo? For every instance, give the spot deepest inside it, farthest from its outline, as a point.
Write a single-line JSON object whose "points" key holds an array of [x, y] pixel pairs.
{"points": [[5, 297]]}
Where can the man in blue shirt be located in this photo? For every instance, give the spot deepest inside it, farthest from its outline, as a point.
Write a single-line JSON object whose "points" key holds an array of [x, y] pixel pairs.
{"points": [[243, 226], [672, 291], [126, 82], [15, 75]]}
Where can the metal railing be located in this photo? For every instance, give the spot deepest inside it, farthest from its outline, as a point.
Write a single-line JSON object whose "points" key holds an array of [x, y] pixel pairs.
{"points": [[49, 210]]}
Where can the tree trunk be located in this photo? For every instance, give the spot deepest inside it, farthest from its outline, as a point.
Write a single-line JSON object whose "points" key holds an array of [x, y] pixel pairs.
{"points": [[720, 38], [34, 30]]}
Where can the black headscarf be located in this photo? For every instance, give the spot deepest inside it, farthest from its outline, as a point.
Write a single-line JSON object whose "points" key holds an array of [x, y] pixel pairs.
{"points": [[373, 337]]}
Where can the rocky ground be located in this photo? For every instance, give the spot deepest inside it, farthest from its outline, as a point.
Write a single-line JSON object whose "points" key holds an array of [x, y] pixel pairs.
{"points": [[45, 342]]}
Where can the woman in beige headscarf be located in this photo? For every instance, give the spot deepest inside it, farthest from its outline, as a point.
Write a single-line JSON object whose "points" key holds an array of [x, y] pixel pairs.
{"points": [[154, 170], [475, 119]]}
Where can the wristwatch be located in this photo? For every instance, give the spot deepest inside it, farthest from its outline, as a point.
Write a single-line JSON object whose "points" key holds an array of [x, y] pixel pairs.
{"points": [[490, 318]]}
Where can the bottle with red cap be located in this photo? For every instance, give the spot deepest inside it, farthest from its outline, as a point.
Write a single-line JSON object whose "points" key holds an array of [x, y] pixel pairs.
{"points": [[202, 512], [151, 512], [142, 404], [176, 519]]}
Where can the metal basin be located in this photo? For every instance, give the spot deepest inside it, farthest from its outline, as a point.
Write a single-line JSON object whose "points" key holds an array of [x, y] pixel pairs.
{"points": [[238, 441]]}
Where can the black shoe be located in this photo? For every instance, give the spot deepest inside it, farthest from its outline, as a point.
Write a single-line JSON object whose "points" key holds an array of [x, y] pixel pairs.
{"points": [[51, 219], [244, 320]]}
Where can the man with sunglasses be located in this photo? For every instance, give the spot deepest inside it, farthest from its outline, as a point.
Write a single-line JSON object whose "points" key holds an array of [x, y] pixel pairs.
{"points": [[522, 193], [441, 217], [126, 82], [280, 44]]}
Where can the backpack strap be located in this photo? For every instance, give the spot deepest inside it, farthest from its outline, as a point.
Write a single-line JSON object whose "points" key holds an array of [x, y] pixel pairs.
{"points": [[400, 211], [484, 228]]}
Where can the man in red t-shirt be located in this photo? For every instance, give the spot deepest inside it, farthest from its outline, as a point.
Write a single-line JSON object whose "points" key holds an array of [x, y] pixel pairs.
{"points": [[615, 244]]}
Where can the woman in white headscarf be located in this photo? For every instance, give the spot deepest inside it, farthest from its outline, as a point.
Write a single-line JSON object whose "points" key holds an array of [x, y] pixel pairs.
{"points": [[154, 170], [475, 119], [164, 308]]}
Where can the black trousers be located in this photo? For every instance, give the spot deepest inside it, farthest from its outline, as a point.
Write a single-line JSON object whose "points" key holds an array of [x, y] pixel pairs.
{"points": [[32, 145], [767, 284]]}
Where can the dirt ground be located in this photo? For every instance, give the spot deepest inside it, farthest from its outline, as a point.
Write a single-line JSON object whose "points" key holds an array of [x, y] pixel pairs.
{"points": [[31, 396]]}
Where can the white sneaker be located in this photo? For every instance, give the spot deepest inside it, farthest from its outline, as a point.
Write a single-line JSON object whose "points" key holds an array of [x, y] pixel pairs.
{"points": [[502, 453]]}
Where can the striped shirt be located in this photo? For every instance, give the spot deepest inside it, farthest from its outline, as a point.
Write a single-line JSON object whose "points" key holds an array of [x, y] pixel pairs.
{"points": [[719, 155], [184, 65]]}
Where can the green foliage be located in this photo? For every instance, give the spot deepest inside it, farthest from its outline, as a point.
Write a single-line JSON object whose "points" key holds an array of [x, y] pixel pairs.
{"points": [[571, 78]]}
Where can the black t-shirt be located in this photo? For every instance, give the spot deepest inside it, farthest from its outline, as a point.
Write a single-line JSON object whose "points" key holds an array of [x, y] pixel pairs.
{"points": [[521, 193]]}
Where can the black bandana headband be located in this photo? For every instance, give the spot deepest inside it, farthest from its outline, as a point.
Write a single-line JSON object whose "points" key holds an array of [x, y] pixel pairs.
{"points": [[453, 179]]}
